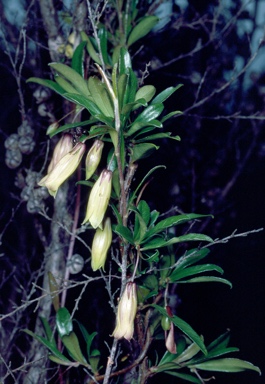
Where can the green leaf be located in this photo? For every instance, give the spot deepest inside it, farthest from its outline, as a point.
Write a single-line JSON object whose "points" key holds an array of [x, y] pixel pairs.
{"points": [[153, 258], [48, 83], [64, 322], [100, 96], [159, 242], [124, 232], [140, 151], [67, 363], [142, 28], [179, 273], [124, 61], [90, 48], [48, 331], [78, 59], [144, 210], [173, 221], [169, 115], [102, 34], [149, 114], [67, 87], [72, 76], [84, 102], [214, 354], [139, 227], [185, 328], [88, 338], [226, 365], [156, 136], [127, 108], [142, 124], [188, 353], [162, 96], [184, 376], [146, 92], [72, 344], [221, 342], [192, 257], [207, 279], [48, 344]]}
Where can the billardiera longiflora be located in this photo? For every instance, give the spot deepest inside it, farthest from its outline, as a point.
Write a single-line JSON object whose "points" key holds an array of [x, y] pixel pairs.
{"points": [[63, 169], [127, 309], [93, 158], [100, 245], [99, 199], [64, 146]]}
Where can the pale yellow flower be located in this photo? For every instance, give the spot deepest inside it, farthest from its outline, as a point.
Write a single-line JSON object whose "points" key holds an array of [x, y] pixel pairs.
{"points": [[100, 245], [99, 199], [63, 169], [64, 146], [127, 309], [93, 158]]}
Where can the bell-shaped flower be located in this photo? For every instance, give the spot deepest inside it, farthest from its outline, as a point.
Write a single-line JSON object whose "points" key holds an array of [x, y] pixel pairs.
{"points": [[63, 169], [93, 158], [168, 325], [126, 313], [99, 199], [170, 340], [64, 146], [100, 245]]}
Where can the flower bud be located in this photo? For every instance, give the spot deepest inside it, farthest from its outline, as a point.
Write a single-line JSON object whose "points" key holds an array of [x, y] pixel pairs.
{"points": [[99, 199], [93, 158], [64, 146], [63, 169], [100, 246], [127, 309], [170, 340]]}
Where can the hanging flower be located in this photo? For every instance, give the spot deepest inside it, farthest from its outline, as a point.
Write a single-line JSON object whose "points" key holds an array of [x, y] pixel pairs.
{"points": [[64, 146], [93, 158], [99, 199], [170, 336], [100, 246], [63, 169], [127, 309]]}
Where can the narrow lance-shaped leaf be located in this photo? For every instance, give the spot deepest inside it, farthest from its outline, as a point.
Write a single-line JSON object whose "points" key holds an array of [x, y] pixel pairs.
{"points": [[173, 221], [72, 344], [142, 28], [47, 83], [184, 376], [179, 273], [165, 94], [48, 344], [226, 365], [78, 59], [159, 242], [72, 76], [207, 279]]}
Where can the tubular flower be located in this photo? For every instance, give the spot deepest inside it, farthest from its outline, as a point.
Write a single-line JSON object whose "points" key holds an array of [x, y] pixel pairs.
{"points": [[170, 336], [127, 309], [63, 169], [100, 246], [170, 340], [64, 146], [93, 158], [99, 199]]}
